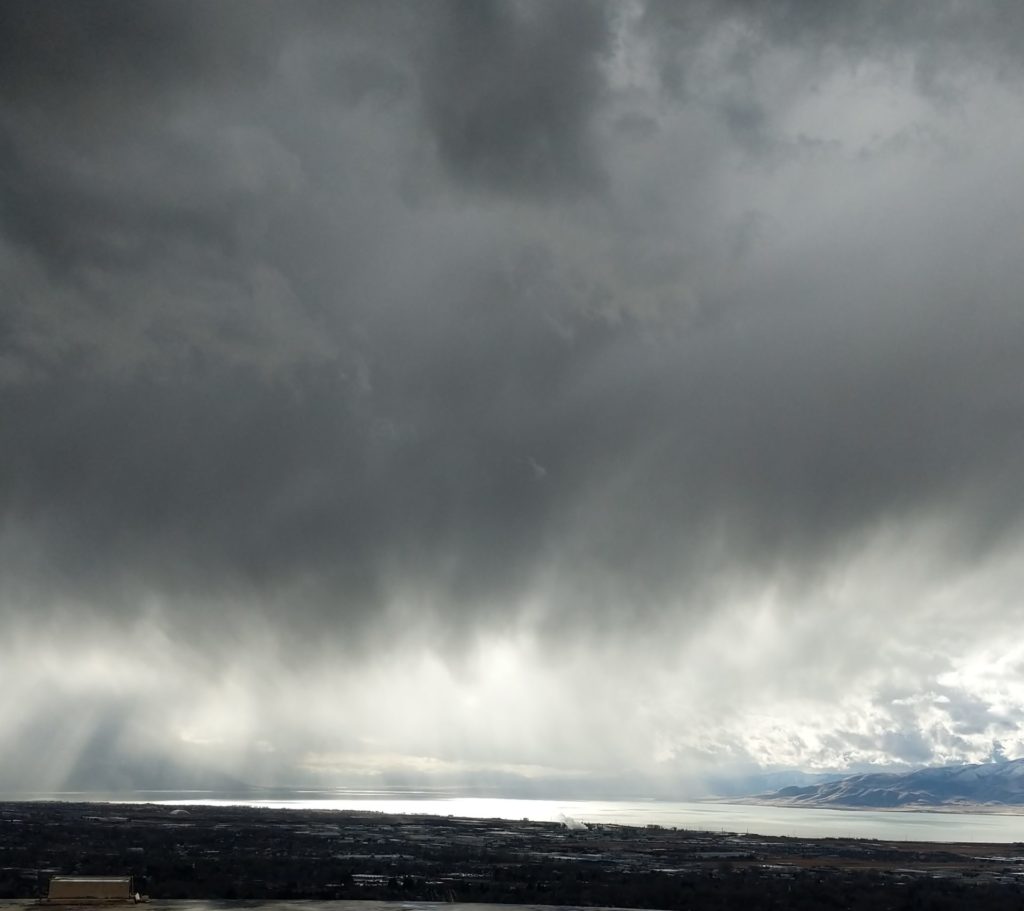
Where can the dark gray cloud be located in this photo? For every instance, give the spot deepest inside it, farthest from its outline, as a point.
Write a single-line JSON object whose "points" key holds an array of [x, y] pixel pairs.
{"points": [[400, 330], [510, 89], [71, 56]]}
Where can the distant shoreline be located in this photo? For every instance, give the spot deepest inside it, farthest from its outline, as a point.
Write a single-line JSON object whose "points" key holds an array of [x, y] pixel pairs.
{"points": [[429, 807]]}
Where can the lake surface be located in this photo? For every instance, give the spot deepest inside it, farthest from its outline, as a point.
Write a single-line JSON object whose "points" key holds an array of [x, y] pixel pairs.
{"points": [[710, 816]]}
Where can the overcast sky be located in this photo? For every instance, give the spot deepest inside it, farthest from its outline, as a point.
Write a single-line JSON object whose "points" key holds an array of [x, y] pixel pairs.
{"points": [[559, 395]]}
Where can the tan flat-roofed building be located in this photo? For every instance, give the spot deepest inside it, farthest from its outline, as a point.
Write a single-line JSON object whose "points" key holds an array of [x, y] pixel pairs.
{"points": [[91, 890]]}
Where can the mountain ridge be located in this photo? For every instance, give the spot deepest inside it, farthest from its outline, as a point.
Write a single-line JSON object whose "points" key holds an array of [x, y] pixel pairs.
{"points": [[989, 785]]}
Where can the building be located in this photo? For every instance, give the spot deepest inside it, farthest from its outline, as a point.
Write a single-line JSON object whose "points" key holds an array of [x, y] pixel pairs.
{"points": [[91, 890]]}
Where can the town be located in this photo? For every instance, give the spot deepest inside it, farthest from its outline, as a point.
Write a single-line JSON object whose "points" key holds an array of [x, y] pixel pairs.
{"points": [[224, 853]]}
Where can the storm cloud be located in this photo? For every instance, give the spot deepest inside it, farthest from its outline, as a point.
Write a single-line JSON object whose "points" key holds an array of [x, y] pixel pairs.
{"points": [[509, 391]]}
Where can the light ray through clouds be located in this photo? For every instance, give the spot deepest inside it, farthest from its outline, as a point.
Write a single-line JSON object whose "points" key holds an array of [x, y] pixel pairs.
{"points": [[536, 398]]}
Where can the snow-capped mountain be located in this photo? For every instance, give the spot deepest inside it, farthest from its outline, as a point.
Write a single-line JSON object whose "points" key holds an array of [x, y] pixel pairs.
{"points": [[994, 784]]}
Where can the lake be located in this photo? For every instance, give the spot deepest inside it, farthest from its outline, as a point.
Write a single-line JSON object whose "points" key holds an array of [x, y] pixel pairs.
{"points": [[711, 816]]}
